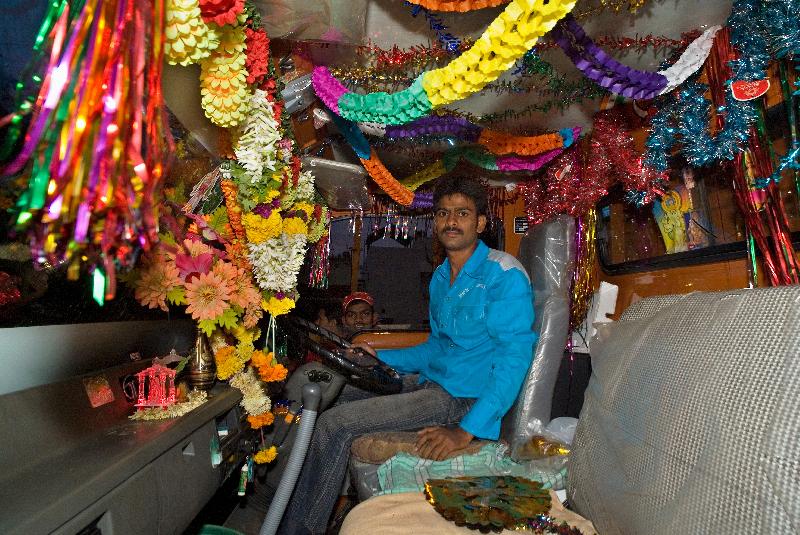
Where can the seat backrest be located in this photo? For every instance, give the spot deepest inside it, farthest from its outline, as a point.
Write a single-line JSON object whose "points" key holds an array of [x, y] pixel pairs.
{"points": [[547, 252], [691, 418]]}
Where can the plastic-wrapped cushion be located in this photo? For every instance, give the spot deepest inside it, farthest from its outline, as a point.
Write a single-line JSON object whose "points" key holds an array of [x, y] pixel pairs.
{"points": [[547, 252], [692, 415]]}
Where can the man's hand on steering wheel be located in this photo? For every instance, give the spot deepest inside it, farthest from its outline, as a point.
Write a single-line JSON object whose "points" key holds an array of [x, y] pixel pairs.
{"points": [[438, 443], [365, 347]]}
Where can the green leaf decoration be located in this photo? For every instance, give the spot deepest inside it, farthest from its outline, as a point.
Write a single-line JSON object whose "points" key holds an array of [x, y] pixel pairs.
{"points": [[207, 326], [177, 295], [167, 238], [228, 319]]}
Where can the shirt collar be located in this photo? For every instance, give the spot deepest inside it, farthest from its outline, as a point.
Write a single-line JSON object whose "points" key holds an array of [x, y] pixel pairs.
{"points": [[473, 263]]}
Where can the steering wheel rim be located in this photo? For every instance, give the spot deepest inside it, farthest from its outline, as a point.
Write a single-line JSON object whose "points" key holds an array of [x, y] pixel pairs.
{"points": [[377, 377]]}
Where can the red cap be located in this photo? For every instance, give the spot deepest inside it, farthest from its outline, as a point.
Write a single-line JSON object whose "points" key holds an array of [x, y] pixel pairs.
{"points": [[357, 296]]}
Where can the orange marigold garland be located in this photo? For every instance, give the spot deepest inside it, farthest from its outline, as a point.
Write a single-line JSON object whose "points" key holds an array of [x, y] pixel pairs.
{"points": [[261, 420]]}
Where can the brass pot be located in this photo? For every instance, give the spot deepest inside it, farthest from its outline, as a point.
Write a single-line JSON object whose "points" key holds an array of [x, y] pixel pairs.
{"points": [[201, 370]]}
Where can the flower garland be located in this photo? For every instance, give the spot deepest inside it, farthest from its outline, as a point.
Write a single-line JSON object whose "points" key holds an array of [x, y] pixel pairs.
{"points": [[457, 5], [512, 34], [188, 39]]}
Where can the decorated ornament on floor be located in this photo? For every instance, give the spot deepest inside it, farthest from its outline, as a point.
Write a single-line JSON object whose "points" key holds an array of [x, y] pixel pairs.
{"points": [[488, 503]]}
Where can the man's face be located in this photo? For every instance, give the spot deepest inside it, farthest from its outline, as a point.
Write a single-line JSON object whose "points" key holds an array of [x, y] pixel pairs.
{"points": [[457, 222], [359, 315]]}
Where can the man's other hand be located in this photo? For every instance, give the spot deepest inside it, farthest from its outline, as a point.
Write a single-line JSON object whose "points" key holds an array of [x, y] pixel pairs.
{"points": [[438, 442]]}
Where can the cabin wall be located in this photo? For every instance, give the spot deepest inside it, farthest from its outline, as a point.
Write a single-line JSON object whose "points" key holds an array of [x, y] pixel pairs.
{"points": [[50, 353]]}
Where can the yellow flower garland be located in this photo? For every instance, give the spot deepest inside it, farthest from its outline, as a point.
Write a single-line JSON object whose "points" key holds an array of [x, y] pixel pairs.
{"points": [[223, 80], [266, 456], [294, 225], [277, 307], [188, 39], [259, 229]]}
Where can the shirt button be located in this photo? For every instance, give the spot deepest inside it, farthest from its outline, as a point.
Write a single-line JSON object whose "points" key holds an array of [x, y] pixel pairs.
{"points": [[452, 344]]}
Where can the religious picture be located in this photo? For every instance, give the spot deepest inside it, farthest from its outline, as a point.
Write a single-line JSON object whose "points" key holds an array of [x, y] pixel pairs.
{"points": [[682, 214]]}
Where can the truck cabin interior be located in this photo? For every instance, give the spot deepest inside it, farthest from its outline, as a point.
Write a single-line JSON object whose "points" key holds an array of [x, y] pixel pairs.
{"points": [[226, 242]]}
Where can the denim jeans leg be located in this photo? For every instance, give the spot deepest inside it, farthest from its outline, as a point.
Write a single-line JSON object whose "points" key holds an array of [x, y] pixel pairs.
{"points": [[329, 452]]}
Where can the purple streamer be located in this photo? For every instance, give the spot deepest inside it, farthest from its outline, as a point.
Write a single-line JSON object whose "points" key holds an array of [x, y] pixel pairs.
{"points": [[422, 200], [602, 69], [437, 125], [519, 163]]}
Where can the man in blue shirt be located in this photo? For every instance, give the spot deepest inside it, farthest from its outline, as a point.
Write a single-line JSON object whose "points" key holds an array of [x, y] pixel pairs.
{"points": [[470, 369]]}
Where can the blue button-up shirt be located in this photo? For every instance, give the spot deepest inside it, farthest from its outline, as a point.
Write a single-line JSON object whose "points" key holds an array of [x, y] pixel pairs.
{"points": [[481, 341]]}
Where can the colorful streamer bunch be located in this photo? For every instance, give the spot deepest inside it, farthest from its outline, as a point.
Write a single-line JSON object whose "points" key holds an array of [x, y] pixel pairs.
{"points": [[95, 150], [508, 37], [536, 152]]}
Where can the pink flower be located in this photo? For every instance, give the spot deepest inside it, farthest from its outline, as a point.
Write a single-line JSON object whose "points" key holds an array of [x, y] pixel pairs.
{"points": [[191, 266], [207, 295]]}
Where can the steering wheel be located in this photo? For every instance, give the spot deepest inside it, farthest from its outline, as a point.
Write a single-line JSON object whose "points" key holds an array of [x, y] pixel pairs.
{"points": [[351, 361]]}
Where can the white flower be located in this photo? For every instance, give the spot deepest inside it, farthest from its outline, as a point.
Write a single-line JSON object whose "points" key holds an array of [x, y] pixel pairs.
{"points": [[254, 400], [277, 262], [255, 149]]}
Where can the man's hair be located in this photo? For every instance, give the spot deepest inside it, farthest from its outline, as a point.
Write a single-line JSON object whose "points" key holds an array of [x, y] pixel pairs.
{"points": [[466, 186]]}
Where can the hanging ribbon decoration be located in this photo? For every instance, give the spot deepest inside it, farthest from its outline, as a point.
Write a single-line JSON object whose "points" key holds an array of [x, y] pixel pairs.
{"points": [[403, 193], [619, 79], [98, 136], [451, 127], [515, 31], [763, 209]]}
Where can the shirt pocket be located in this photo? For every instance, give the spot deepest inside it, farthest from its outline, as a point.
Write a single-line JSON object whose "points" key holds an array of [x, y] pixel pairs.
{"points": [[469, 325]]}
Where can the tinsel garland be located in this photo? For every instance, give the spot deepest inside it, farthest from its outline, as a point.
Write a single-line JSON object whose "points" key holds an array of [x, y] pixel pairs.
{"points": [[782, 23], [750, 27], [578, 178], [583, 278], [97, 145], [688, 116], [447, 40], [748, 38]]}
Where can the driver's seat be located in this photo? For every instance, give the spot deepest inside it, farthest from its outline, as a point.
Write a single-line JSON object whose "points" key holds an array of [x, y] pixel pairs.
{"points": [[547, 252]]}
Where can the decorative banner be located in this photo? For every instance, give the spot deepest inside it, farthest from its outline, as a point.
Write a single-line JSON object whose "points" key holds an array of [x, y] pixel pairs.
{"points": [[98, 138], [506, 39]]}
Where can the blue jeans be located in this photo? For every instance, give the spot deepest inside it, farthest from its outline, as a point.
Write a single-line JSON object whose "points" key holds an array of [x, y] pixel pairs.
{"points": [[326, 462]]}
